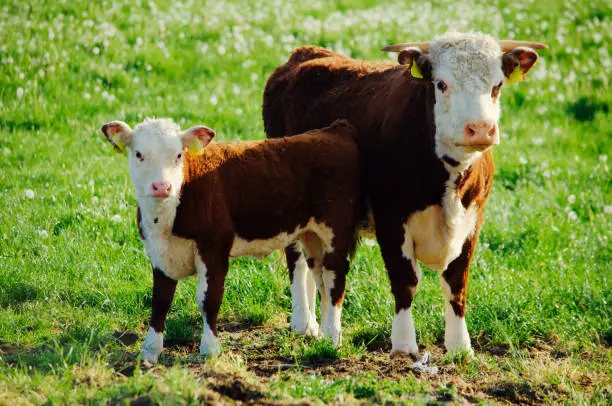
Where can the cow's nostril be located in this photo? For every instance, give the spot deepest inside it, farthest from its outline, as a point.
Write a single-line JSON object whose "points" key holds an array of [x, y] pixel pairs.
{"points": [[471, 131], [492, 131], [154, 187]]}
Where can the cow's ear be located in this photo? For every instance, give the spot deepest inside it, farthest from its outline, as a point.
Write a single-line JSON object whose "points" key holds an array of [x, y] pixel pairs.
{"points": [[196, 138], [517, 62], [420, 67], [119, 134]]}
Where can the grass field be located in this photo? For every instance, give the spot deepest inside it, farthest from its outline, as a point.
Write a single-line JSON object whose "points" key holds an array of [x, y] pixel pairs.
{"points": [[75, 284]]}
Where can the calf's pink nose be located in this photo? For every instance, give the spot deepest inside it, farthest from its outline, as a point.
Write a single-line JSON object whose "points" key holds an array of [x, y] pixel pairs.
{"points": [[160, 189], [480, 134]]}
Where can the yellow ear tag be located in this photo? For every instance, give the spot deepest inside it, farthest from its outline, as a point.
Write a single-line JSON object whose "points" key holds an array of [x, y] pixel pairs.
{"points": [[118, 144], [415, 71], [516, 76], [196, 147]]}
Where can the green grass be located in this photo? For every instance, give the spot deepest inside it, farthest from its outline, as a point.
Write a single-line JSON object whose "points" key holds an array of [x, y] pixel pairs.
{"points": [[73, 271]]}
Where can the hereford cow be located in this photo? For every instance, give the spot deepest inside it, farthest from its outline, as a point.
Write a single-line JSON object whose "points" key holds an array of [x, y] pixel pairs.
{"points": [[426, 129], [248, 198]]}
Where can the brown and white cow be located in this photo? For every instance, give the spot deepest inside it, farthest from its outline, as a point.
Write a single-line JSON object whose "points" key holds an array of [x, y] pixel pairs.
{"points": [[426, 130], [195, 211]]}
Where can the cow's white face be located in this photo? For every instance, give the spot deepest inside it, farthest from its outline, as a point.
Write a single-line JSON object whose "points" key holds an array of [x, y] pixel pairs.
{"points": [[467, 72], [467, 76], [157, 148]]}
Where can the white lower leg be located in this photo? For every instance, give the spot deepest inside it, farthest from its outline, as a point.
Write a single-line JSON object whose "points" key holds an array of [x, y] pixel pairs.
{"points": [[456, 336], [311, 294], [403, 334], [331, 323], [208, 343], [301, 320], [152, 346]]}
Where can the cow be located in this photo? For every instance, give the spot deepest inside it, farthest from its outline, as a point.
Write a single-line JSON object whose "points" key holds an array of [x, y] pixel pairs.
{"points": [[196, 210], [426, 128]]}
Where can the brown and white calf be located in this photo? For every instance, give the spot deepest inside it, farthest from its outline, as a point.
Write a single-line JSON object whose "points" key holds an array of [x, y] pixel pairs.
{"points": [[195, 211], [426, 128]]}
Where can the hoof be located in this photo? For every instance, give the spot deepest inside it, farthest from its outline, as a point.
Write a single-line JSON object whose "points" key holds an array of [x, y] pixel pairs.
{"points": [[307, 326]]}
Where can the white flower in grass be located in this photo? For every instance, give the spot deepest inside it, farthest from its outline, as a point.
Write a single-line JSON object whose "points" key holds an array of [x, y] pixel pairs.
{"points": [[571, 199], [19, 92], [6, 151], [43, 233], [522, 160], [29, 193], [603, 158], [96, 51], [95, 200], [214, 100], [608, 209], [538, 141], [116, 218], [572, 216]]}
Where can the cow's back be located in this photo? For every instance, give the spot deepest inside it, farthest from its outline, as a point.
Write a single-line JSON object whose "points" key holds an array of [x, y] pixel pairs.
{"points": [[316, 87]]}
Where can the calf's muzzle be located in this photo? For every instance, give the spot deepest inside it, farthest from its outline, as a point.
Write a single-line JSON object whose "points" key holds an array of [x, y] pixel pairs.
{"points": [[160, 189]]}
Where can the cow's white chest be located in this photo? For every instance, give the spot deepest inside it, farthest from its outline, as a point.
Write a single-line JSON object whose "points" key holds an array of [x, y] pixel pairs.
{"points": [[439, 232], [260, 248], [172, 255]]}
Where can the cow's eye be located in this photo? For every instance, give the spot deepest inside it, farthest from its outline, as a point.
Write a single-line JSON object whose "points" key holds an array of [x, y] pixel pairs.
{"points": [[179, 156], [441, 85], [495, 91], [139, 156]]}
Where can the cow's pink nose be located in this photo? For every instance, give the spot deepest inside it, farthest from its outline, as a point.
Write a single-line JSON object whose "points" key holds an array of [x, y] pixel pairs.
{"points": [[480, 135], [160, 189]]}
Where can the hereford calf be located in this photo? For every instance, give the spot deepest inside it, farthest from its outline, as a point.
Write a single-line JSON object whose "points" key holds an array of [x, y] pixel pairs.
{"points": [[426, 129], [195, 211]]}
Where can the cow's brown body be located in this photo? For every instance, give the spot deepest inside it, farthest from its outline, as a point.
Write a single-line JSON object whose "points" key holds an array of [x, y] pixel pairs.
{"points": [[402, 173]]}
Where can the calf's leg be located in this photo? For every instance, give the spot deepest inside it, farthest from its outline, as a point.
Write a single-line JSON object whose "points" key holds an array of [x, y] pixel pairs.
{"points": [[212, 270], [303, 319], [335, 269], [163, 293]]}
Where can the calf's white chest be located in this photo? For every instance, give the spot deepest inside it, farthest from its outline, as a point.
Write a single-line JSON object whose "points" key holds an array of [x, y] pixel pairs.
{"points": [[439, 232], [172, 255]]}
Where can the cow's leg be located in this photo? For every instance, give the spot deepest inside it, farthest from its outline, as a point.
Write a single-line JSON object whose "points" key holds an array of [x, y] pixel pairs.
{"points": [[163, 293], [335, 269], [301, 317], [397, 248], [454, 286], [212, 269]]}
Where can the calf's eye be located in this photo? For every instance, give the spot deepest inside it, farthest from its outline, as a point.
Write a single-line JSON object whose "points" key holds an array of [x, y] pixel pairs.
{"points": [[441, 86], [139, 156], [179, 156]]}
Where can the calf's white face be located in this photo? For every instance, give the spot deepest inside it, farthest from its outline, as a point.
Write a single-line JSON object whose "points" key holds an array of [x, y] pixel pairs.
{"points": [[467, 72], [157, 148]]}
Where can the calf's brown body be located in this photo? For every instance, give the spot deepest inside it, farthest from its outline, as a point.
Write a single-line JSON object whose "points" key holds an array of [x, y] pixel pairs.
{"points": [[249, 198]]}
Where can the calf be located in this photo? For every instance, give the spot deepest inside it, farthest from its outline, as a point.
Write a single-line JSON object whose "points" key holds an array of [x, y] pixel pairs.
{"points": [[426, 128], [195, 211]]}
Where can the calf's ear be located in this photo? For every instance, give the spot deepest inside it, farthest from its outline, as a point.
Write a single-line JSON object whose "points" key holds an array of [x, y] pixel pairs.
{"points": [[517, 62], [119, 134], [420, 67], [196, 138]]}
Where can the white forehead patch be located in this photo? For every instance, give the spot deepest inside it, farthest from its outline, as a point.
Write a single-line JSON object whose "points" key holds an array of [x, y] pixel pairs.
{"points": [[157, 133], [467, 57]]}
